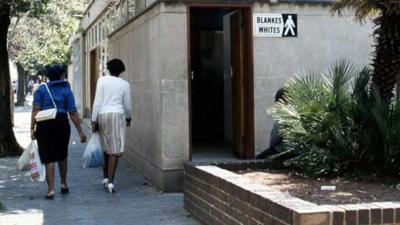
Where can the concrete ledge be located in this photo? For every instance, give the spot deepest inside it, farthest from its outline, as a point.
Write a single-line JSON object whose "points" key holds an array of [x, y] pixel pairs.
{"points": [[217, 196]]}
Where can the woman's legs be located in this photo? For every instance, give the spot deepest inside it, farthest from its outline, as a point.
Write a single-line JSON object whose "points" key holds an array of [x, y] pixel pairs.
{"points": [[50, 178], [111, 126], [105, 166], [63, 167], [112, 167]]}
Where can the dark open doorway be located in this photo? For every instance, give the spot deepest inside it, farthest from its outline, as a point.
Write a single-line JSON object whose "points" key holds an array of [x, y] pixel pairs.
{"points": [[221, 83], [93, 75]]}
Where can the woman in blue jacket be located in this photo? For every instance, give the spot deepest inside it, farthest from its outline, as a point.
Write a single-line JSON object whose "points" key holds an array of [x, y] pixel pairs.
{"points": [[53, 135]]}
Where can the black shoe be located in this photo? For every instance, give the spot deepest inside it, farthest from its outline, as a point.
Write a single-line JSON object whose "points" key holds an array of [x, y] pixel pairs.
{"points": [[49, 197], [64, 190]]}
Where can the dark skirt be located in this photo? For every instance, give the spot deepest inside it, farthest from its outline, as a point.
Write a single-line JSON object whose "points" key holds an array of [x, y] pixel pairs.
{"points": [[53, 138]]}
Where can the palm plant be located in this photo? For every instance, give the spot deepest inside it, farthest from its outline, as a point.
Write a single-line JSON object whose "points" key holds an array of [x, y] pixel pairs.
{"points": [[314, 121], [336, 123], [386, 58]]}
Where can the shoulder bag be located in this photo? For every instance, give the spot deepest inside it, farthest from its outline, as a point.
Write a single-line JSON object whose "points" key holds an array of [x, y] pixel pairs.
{"points": [[48, 114]]}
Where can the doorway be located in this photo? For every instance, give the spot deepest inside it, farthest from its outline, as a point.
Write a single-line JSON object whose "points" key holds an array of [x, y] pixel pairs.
{"points": [[221, 83], [93, 75]]}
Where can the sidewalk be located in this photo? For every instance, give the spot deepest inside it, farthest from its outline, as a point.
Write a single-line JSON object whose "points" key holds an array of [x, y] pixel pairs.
{"points": [[135, 202]]}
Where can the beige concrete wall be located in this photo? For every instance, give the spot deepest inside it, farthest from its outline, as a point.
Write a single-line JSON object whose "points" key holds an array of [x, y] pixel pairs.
{"points": [[141, 5], [322, 40], [75, 72], [154, 49]]}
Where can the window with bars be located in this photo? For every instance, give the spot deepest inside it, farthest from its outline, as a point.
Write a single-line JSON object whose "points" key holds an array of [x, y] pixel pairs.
{"points": [[92, 35], [116, 17], [96, 34], [122, 15], [104, 59], [100, 32], [131, 9], [103, 29]]}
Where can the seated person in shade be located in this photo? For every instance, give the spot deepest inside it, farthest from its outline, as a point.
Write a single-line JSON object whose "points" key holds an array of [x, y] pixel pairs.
{"points": [[275, 139]]}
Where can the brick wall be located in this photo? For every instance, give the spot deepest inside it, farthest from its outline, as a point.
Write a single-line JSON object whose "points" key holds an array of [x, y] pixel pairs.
{"points": [[212, 195], [217, 196]]}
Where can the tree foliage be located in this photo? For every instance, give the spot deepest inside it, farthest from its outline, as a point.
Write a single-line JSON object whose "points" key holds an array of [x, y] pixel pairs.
{"points": [[24, 51], [31, 8], [334, 124], [386, 58], [8, 143], [48, 41]]}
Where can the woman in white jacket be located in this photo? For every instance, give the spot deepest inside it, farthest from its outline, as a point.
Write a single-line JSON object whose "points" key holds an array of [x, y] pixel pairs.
{"points": [[112, 111]]}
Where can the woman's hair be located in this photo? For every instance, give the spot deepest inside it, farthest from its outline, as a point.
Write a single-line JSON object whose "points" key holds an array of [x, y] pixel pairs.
{"points": [[115, 66], [55, 71], [280, 95]]}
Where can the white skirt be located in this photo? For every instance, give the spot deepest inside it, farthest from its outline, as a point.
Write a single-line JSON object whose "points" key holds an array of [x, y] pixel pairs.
{"points": [[112, 132]]}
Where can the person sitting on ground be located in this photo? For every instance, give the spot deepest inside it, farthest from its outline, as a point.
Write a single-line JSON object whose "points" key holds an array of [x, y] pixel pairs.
{"points": [[275, 140]]}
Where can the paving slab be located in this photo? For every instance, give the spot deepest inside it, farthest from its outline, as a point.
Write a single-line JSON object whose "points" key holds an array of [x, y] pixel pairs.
{"points": [[135, 202]]}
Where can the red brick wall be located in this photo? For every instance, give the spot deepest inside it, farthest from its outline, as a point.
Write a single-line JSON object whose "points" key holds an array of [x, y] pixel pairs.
{"points": [[217, 196], [214, 200]]}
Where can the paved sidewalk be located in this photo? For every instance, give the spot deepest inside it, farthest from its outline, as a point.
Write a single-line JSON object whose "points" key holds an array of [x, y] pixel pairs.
{"points": [[136, 202]]}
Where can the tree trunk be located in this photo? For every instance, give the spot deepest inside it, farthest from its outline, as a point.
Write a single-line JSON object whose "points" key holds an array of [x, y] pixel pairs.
{"points": [[8, 143], [21, 86], [387, 52], [27, 77]]}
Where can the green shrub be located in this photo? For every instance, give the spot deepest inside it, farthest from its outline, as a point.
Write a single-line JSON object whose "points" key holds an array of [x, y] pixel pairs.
{"points": [[335, 123]]}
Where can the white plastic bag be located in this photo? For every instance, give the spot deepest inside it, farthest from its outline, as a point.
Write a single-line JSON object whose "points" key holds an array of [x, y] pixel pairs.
{"points": [[93, 155], [24, 160], [37, 169]]}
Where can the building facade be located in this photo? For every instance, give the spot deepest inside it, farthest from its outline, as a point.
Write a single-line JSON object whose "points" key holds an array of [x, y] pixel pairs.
{"points": [[203, 73]]}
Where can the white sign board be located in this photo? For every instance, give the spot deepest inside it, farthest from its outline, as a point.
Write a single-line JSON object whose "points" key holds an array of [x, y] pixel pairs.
{"points": [[275, 25]]}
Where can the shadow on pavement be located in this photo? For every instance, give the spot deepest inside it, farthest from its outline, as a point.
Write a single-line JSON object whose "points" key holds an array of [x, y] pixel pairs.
{"points": [[87, 203]]}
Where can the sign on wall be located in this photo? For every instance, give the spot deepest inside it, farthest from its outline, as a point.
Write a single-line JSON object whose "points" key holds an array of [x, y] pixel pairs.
{"points": [[275, 25]]}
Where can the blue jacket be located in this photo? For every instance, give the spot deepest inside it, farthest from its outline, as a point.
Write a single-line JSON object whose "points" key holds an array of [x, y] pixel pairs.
{"points": [[62, 96]]}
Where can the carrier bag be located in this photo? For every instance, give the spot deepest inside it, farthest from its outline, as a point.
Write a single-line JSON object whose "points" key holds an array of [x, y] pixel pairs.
{"points": [[93, 155], [37, 168], [23, 161]]}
